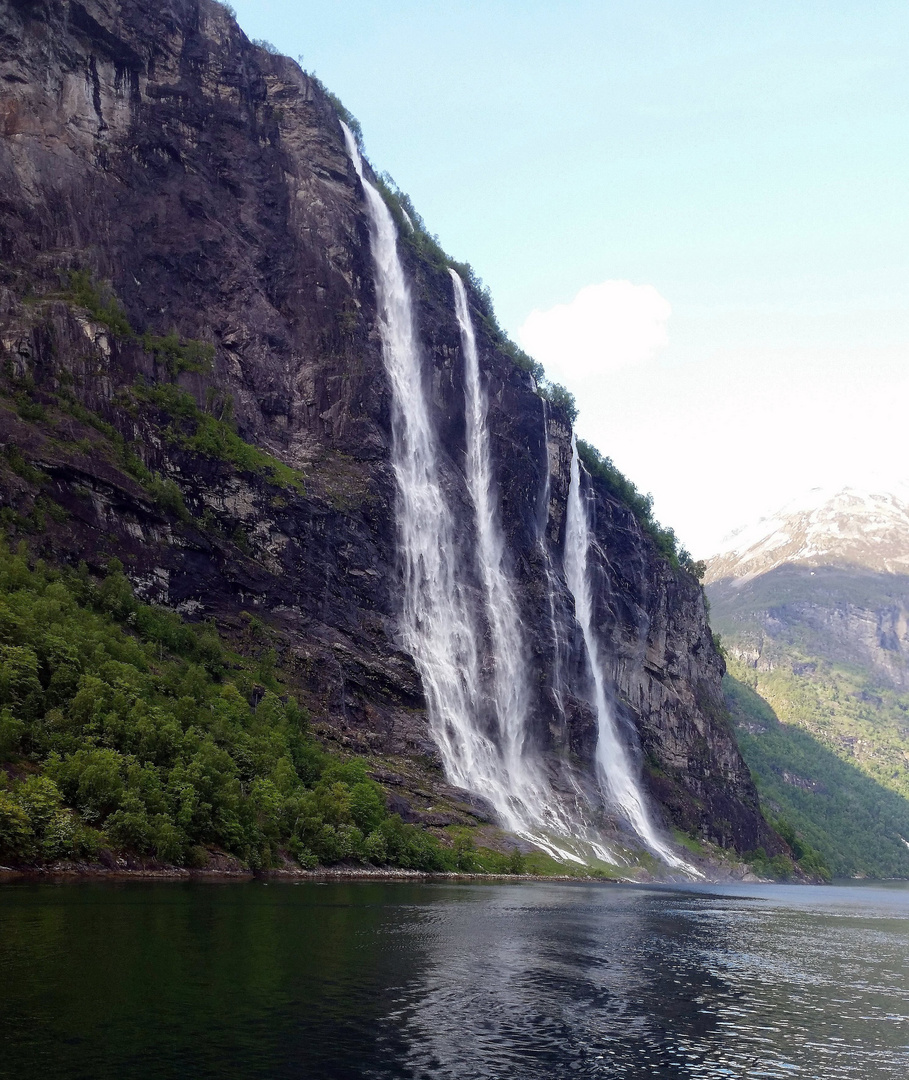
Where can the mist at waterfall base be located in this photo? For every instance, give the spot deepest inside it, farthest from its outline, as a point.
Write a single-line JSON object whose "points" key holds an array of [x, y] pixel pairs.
{"points": [[479, 712], [403, 981]]}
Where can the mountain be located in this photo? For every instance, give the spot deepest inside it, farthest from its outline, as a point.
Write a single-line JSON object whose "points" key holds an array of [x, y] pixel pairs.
{"points": [[812, 605], [849, 526], [206, 417]]}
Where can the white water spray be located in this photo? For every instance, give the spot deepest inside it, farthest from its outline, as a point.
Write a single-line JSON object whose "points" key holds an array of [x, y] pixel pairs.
{"points": [[437, 623], [511, 692], [551, 823], [616, 771]]}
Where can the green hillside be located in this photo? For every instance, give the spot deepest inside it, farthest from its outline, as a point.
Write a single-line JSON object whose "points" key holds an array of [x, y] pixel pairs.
{"points": [[818, 754], [125, 730]]}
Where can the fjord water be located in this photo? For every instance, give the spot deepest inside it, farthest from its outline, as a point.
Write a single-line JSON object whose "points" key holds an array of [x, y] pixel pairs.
{"points": [[395, 980]]}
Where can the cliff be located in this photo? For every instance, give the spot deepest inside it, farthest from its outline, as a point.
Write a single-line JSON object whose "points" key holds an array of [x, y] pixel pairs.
{"points": [[194, 384]]}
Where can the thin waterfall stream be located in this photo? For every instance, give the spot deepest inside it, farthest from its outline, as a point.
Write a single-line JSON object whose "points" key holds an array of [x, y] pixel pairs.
{"points": [[616, 770], [511, 678], [544, 818], [554, 600]]}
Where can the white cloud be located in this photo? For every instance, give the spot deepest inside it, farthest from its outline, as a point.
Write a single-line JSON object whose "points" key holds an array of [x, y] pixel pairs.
{"points": [[606, 326]]}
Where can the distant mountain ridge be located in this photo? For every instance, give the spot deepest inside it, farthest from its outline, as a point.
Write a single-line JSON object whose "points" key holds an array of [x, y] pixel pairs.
{"points": [[848, 526], [812, 606]]}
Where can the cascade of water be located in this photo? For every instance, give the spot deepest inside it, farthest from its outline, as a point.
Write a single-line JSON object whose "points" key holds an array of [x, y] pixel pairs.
{"points": [[550, 822], [511, 677], [438, 626], [615, 768], [556, 607]]}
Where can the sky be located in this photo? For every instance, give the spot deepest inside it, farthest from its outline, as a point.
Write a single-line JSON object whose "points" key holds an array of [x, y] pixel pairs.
{"points": [[694, 214]]}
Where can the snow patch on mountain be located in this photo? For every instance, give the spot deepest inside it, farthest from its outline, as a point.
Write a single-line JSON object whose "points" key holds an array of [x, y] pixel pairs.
{"points": [[849, 525]]}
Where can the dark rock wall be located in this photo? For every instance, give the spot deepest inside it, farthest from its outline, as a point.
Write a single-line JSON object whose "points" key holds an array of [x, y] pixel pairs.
{"points": [[207, 181]]}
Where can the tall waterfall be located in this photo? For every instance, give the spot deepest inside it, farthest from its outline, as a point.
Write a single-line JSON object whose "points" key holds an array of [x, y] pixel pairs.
{"points": [[438, 625], [553, 822], [615, 768], [511, 679], [557, 614]]}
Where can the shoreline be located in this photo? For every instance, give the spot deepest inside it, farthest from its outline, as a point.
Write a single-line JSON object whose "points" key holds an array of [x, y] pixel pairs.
{"points": [[325, 875], [226, 874], [215, 876]]}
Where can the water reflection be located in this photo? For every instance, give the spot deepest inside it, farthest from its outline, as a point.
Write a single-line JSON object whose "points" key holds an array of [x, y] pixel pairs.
{"points": [[549, 981], [389, 981], [597, 982]]}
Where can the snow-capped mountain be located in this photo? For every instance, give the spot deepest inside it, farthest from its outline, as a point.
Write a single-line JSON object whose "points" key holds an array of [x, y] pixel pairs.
{"points": [[849, 526], [812, 606]]}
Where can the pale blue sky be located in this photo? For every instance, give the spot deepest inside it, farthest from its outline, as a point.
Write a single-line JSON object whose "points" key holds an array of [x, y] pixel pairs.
{"points": [[747, 160]]}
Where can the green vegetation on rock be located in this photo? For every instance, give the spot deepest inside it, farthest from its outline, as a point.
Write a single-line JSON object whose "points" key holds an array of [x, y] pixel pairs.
{"points": [[813, 795], [186, 424], [640, 505], [123, 726], [175, 353], [213, 436], [822, 716]]}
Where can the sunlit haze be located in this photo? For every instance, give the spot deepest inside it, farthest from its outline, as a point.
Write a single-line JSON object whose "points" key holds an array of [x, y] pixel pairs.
{"points": [[693, 215]]}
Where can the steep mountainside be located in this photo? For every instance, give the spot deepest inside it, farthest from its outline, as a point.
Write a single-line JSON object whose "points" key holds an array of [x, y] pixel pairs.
{"points": [[194, 384], [813, 608], [815, 793]]}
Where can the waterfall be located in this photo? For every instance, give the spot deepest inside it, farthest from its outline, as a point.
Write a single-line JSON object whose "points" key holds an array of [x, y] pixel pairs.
{"points": [[438, 626], [554, 600], [615, 769], [549, 821], [511, 679]]}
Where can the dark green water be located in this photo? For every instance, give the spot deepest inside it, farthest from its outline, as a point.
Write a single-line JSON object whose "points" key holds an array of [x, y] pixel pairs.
{"points": [[142, 981]]}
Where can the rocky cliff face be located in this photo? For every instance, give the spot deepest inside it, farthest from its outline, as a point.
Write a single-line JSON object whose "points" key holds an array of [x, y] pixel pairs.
{"points": [[846, 615], [169, 193]]}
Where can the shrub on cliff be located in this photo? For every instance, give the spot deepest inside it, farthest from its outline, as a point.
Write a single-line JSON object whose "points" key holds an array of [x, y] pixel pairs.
{"points": [[641, 506], [100, 302], [556, 394], [212, 436], [35, 825], [16, 836]]}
